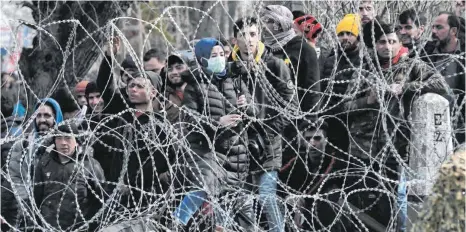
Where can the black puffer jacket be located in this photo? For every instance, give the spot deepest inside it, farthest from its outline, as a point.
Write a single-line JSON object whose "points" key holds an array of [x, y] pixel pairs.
{"points": [[206, 100], [269, 80], [63, 191]]}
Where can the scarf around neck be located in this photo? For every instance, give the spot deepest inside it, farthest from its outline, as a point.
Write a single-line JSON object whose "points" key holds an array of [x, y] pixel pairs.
{"points": [[279, 40]]}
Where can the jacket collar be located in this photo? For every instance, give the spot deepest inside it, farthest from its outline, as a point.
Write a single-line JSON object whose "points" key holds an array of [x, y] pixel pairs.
{"points": [[260, 51]]}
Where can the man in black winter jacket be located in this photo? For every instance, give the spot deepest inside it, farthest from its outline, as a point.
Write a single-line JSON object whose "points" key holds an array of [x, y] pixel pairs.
{"points": [[268, 79], [337, 72], [67, 189], [135, 144], [284, 43], [447, 54]]}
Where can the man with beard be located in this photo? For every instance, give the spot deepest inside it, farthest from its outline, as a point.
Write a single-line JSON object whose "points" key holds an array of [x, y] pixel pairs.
{"points": [[21, 162], [335, 80], [366, 11], [448, 39], [174, 85], [410, 28], [337, 73]]}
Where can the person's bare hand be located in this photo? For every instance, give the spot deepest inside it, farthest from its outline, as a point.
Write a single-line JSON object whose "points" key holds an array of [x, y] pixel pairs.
{"points": [[372, 97], [115, 46], [230, 120], [241, 101], [396, 89]]}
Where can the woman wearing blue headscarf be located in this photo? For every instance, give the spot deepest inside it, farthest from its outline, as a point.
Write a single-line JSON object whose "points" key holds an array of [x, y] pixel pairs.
{"points": [[215, 111]]}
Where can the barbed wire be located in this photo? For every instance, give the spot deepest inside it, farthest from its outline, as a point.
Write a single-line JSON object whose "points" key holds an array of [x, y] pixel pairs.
{"points": [[337, 179]]}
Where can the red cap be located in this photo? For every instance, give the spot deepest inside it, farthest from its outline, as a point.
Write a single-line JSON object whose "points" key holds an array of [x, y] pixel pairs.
{"points": [[81, 86], [309, 26]]}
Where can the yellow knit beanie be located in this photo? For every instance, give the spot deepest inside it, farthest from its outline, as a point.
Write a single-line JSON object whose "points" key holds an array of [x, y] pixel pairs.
{"points": [[349, 23]]}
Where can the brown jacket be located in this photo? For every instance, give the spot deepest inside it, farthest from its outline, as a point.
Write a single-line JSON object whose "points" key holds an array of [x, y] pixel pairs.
{"points": [[172, 105]]}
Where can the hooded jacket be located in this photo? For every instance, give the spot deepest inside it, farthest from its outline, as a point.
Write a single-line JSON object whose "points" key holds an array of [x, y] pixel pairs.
{"points": [[21, 161], [271, 84], [367, 131], [66, 192]]}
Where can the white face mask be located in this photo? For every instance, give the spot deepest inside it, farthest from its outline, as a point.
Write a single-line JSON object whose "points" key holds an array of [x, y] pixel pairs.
{"points": [[216, 64]]}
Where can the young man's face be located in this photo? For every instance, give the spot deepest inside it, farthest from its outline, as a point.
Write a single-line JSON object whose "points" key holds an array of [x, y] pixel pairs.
{"points": [[174, 72], [153, 65], [65, 145], [96, 102], [45, 119], [317, 139], [366, 11], [441, 31], [81, 99], [248, 39], [347, 40], [140, 90], [409, 32], [388, 45]]}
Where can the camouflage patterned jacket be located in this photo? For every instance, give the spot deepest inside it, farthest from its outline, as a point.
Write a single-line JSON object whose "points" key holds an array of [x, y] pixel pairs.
{"points": [[444, 210], [373, 125]]}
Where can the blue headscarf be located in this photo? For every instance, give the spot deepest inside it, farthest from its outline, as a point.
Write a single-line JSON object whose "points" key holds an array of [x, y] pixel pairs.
{"points": [[203, 48]]}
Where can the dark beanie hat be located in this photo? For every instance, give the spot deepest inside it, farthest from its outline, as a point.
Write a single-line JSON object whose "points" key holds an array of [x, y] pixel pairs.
{"points": [[91, 88], [68, 128]]}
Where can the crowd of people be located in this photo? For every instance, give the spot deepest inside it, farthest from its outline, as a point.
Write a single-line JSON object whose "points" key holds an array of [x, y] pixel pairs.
{"points": [[257, 120]]}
